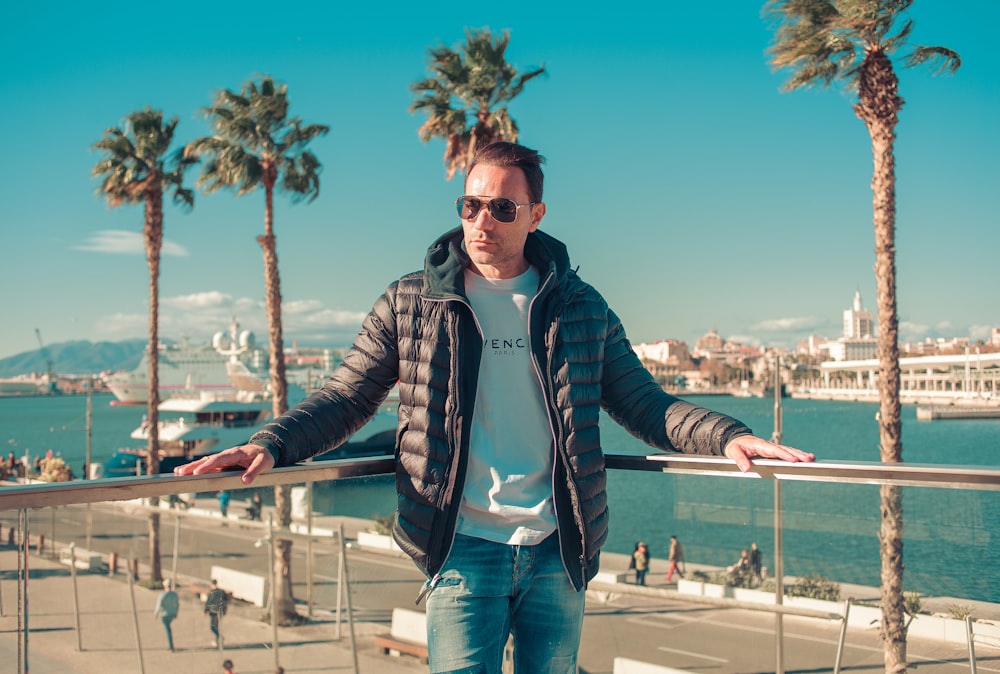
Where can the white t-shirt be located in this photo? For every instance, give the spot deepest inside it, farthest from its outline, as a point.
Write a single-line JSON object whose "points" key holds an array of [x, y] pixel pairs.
{"points": [[508, 485]]}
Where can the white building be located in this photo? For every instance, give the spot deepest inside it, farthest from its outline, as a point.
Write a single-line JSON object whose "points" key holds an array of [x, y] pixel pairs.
{"points": [[858, 342], [858, 322]]}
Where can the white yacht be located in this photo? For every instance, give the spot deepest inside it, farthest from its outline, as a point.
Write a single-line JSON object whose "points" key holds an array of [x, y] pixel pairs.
{"points": [[195, 424], [185, 367]]}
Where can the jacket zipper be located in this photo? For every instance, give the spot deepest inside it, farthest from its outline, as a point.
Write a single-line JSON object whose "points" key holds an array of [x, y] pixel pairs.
{"points": [[547, 395], [457, 501]]}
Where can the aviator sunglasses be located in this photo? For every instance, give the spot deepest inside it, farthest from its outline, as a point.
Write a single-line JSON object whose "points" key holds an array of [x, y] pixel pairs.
{"points": [[501, 208]]}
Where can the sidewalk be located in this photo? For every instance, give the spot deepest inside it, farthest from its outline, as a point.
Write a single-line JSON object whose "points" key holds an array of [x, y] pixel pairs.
{"points": [[108, 631], [110, 644]]}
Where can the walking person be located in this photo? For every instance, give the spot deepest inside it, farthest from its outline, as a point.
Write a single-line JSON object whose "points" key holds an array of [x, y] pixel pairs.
{"points": [[641, 557], [215, 607], [676, 559], [228, 667], [167, 606], [504, 358], [756, 559], [224, 497]]}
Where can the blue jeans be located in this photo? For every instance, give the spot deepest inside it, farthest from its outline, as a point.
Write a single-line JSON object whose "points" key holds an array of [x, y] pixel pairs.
{"points": [[488, 590], [167, 619]]}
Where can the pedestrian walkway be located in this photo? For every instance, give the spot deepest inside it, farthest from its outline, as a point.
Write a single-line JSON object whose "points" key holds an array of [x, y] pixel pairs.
{"points": [[115, 637], [112, 637]]}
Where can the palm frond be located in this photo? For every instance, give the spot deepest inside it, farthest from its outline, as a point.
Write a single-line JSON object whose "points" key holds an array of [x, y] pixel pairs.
{"points": [[473, 84]]}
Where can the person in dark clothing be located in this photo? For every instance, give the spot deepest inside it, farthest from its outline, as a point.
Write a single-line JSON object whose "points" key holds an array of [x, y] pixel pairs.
{"points": [[756, 559], [215, 607], [504, 358]]}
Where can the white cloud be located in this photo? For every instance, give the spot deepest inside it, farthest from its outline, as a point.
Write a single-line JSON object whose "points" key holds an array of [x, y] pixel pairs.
{"points": [[745, 340], [799, 324], [125, 242], [912, 332], [980, 333], [212, 299], [197, 316]]}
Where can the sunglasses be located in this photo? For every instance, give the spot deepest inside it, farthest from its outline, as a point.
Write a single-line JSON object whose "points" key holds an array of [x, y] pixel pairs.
{"points": [[501, 208]]}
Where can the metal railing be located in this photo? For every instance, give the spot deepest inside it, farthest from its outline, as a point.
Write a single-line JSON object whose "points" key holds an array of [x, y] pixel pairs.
{"points": [[33, 496]]}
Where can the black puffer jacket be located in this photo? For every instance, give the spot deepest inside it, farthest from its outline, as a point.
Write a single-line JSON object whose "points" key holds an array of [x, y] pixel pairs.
{"points": [[422, 333]]}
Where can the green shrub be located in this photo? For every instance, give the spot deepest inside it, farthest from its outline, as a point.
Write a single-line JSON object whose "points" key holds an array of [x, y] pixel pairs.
{"points": [[911, 603], [961, 611], [382, 524], [814, 587]]}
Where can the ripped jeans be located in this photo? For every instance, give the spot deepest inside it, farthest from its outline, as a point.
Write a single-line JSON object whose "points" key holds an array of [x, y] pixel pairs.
{"points": [[488, 590]]}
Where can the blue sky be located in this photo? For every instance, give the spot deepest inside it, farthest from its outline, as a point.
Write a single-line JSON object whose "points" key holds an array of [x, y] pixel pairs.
{"points": [[689, 189]]}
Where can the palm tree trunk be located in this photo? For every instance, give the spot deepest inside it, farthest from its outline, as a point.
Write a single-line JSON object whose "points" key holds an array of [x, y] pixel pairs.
{"points": [[153, 234], [284, 610], [878, 106]]}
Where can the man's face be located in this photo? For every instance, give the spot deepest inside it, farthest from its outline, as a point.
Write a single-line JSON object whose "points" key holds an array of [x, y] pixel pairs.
{"points": [[497, 248]]}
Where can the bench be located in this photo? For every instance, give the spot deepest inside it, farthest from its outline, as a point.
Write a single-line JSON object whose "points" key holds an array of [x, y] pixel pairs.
{"points": [[408, 634], [246, 586], [628, 666], [81, 559]]}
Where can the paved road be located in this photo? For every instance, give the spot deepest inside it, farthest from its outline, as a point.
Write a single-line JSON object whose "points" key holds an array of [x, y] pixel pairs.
{"points": [[666, 629]]}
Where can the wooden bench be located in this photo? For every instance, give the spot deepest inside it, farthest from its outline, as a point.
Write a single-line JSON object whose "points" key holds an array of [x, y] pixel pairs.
{"points": [[408, 634]]}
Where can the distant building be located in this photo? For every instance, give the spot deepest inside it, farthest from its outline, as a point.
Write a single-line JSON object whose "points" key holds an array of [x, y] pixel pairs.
{"points": [[664, 351], [710, 344], [858, 322], [858, 342]]}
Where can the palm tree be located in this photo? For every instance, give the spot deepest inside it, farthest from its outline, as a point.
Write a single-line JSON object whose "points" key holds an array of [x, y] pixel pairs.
{"points": [[137, 169], [475, 82], [852, 41], [256, 144]]}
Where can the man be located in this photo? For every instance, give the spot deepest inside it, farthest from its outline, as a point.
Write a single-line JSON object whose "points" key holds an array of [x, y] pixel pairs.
{"points": [[228, 667], [167, 606], [756, 560], [504, 358], [215, 606], [676, 559]]}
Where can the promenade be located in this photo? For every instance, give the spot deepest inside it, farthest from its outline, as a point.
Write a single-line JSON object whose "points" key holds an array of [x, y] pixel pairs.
{"points": [[651, 624]]}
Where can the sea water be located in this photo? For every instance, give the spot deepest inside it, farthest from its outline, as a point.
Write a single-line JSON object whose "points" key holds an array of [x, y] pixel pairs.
{"points": [[829, 529]]}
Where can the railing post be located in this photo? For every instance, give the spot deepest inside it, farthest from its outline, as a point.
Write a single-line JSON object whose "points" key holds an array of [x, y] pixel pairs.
{"points": [[970, 636], [135, 625], [843, 636], [274, 597], [76, 596], [347, 585], [309, 549], [177, 540], [779, 582], [22, 592]]}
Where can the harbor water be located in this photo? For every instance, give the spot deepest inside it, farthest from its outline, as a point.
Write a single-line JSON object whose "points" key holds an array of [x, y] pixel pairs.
{"points": [[829, 529]]}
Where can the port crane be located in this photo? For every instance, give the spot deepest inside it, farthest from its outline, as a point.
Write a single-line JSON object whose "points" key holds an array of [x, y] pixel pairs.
{"points": [[51, 386]]}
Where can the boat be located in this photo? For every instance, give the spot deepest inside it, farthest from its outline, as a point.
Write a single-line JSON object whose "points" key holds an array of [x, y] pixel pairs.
{"points": [[931, 412], [199, 423], [185, 367]]}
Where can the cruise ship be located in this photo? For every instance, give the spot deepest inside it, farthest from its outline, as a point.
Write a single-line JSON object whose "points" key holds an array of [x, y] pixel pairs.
{"points": [[188, 368]]}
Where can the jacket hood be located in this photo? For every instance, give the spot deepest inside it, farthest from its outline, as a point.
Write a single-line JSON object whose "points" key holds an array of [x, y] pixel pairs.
{"points": [[446, 261]]}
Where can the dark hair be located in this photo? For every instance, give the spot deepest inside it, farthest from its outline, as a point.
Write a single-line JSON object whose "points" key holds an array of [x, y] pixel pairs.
{"points": [[505, 153]]}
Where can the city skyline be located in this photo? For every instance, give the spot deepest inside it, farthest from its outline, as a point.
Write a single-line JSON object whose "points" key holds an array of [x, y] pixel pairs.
{"points": [[689, 190]]}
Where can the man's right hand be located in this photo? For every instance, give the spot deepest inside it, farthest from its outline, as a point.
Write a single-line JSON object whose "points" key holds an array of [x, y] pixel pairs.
{"points": [[253, 459]]}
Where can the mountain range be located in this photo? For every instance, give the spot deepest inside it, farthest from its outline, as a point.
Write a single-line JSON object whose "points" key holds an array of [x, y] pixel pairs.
{"points": [[76, 358]]}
